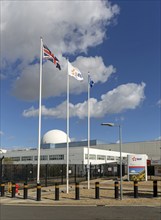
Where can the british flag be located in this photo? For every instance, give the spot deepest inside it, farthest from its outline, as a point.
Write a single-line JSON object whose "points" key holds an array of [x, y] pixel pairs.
{"points": [[47, 54]]}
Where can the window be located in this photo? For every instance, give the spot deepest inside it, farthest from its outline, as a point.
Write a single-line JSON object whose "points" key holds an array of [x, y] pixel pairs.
{"points": [[15, 158], [110, 158], [56, 157], [91, 156], [26, 158], [42, 157], [101, 157]]}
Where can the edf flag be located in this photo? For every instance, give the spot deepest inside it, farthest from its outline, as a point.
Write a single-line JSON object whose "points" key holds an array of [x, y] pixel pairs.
{"points": [[47, 54], [73, 71]]}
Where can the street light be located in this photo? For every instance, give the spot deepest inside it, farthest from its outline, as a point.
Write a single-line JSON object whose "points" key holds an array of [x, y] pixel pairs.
{"points": [[120, 142]]}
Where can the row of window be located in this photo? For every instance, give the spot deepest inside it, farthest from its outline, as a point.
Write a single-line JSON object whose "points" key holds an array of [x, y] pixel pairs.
{"points": [[42, 157], [61, 157], [101, 157]]}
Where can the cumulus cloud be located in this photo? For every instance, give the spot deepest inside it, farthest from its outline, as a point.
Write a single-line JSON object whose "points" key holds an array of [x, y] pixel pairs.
{"points": [[124, 97], [54, 81], [67, 28]]}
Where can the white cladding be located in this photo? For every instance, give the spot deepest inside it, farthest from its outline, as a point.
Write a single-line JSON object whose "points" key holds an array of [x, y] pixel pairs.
{"points": [[77, 155], [150, 148]]}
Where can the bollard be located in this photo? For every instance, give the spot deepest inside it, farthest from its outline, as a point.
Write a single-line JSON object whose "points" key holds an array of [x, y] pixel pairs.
{"points": [[9, 187], [155, 188], [38, 192], [2, 189], [135, 189], [77, 191], [116, 190], [97, 190], [13, 190], [56, 191], [25, 192]]}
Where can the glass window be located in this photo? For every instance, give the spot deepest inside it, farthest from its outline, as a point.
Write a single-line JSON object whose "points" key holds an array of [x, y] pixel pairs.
{"points": [[91, 156], [56, 157], [110, 158], [15, 158], [42, 157], [101, 157], [26, 158]]}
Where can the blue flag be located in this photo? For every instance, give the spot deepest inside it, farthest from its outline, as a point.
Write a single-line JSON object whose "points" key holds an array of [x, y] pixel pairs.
{"points": [[91, 82]]}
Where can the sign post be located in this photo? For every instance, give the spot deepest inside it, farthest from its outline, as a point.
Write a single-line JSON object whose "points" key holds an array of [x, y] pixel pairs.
{"points": [[137, 167]]}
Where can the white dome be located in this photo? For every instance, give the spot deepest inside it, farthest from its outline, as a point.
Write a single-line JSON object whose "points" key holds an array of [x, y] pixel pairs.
{"points": [[55, 137]]}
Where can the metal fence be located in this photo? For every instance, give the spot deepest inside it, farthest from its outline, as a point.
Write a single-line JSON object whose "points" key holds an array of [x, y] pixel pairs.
{"points": [[51, 173]]}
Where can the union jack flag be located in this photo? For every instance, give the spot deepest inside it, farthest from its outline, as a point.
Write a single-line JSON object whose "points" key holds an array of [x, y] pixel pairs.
{"points": [[47, 54]]}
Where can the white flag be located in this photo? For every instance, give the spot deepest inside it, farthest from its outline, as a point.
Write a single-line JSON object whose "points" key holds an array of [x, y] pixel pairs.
{"points": [[75, 72]]}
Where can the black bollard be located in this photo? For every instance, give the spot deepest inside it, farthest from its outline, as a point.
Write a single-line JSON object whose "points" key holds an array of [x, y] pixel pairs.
{"points": [[155, 188], [97, 190], [25, 192], [116, 190], [13, 190], [135, 189], [2, 189], [77, 191], [56, 191], [38, 192]]}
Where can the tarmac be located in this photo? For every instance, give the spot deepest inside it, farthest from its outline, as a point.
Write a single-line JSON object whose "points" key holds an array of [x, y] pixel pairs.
{"points": [[87, 196]]}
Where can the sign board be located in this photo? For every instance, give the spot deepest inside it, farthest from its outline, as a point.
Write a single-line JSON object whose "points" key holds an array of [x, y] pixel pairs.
{"points": [[137, 167]]}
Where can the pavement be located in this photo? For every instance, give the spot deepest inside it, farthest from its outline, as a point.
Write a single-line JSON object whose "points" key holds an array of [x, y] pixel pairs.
{"points": [[87, 196]]}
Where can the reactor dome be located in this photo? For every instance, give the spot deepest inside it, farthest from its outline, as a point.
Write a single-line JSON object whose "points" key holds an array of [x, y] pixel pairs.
{"points": [[55, 137]]}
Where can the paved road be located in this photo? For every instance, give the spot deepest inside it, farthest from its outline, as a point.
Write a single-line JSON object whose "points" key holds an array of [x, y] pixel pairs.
{"points": [[20, 212]]}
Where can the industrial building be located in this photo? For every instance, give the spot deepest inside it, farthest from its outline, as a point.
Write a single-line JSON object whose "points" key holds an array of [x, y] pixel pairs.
{"points": [[53, 151]]}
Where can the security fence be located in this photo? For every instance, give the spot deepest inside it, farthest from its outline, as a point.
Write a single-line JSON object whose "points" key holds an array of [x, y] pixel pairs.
{"points": [[51, 173]]}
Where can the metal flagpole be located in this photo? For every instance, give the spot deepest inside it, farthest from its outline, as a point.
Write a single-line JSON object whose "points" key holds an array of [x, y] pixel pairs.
{"points": [[67, 168], [39, 127], [88, 168]]}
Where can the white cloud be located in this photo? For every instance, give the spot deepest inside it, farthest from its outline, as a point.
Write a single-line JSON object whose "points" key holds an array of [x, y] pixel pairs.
{"points": [[159, 103], [54, 81], [124, 97], [67, 26]]}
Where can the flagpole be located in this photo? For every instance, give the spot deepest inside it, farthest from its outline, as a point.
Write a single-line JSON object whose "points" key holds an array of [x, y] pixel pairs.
{"points": [[39, 127], [88, 168], [67, 168]]}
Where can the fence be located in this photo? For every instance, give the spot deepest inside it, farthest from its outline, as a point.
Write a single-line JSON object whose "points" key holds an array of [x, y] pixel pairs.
{"points": [[51, 173]]}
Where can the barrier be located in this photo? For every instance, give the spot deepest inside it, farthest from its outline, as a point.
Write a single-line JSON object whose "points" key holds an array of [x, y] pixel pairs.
{"points": [[38, 192], [116, 189], [9, 187], [135, 189], [97, 190], [155, 188], [2, 189], [77, 191], [13, 193], [56, 191], [25, 192]]}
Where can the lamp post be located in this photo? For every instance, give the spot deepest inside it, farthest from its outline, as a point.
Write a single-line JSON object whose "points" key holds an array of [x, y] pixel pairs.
{"points": [[120, 143]]}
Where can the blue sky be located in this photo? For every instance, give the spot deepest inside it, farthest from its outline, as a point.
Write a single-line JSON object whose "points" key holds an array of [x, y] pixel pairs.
{"points": [[118, 42]]}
